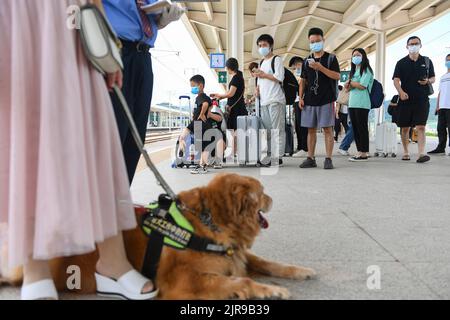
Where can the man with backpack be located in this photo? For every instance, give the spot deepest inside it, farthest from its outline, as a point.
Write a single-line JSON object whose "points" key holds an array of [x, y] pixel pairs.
{"points": [[318, 93], [270, 77]]}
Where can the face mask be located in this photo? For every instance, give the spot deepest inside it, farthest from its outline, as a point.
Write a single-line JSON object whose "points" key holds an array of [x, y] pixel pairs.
{"points": [[298, 72], [316, 46], [414, 49], [264, 51], [447, 64], [195, 90], [357, 60]]}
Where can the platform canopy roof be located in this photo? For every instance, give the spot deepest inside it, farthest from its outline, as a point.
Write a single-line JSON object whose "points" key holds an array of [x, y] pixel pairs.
{"points": [[347, 24]]}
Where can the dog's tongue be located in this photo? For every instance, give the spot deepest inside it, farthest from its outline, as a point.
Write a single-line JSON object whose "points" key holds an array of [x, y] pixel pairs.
{"points": [[263, 221]]}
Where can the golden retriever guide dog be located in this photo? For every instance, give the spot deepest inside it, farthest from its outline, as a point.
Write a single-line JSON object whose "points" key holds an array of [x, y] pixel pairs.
{"points": [[236, 204]]}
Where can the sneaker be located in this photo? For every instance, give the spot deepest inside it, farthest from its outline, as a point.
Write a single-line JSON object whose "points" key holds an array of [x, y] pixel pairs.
{"points": [[199, 170], [218, 166], [343, 152], [436, 151], [328, 164], [309, 163], [271, 164], [423, 159], [358, 159], [300, 154]]}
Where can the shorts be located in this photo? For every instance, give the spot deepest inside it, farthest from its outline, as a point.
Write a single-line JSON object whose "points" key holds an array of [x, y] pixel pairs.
{"points": [[208, 133], [413, 114], [318, 116]]}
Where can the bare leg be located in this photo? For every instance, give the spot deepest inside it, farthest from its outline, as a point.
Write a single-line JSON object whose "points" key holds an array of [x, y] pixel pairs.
{"points": [[329, 141], [312, 139], [405, 140], [220, 150], [275, 269], [113, 260], [36, 270], [421, 139]]}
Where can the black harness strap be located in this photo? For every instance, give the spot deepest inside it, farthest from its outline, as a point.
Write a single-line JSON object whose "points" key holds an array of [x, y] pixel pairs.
{"points": [[155, 241], [155, 245], [152, 255]]}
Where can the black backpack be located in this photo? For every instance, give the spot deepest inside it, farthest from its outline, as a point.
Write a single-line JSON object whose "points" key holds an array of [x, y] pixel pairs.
{"points": [[290, 84]]}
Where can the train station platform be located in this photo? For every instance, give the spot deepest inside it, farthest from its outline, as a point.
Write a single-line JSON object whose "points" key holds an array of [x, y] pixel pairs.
{"points": [[386, 215]]}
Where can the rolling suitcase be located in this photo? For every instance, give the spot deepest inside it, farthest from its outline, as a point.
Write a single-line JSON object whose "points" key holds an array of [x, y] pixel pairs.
{"points": [[252, 139], [386, 140], [289, 149], [188, 157]]}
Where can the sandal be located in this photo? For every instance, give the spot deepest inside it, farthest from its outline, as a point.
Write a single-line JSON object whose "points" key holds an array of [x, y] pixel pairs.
{"points": [[128, 287], [423, 159], [406, 157], [40, 290]]}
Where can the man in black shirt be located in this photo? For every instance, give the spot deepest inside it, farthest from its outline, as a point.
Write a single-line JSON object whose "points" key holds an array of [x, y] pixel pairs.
{"points": [[413, 77], [318, 92]]}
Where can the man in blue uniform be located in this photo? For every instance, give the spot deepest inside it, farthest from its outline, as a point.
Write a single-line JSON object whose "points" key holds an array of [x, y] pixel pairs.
{"points": [[137, 31]]}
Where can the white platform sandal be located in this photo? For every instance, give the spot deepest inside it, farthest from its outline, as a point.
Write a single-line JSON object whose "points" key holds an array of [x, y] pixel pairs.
{"points": [[40, 290], [129, 286]]}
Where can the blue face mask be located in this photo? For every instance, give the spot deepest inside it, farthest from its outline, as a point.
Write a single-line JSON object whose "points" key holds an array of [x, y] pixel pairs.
{"points": [[316, 46], [298, 72], [357, 60], [264, 51], [195, 90], [447, 64]]}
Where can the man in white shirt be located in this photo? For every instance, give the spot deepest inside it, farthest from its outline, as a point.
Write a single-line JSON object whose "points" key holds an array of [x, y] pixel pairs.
{"points": [[443, 110], [273, 102]]}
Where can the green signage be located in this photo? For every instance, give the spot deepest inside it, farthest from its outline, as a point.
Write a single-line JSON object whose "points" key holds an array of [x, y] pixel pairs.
{"points": [[222, 76], [344, 76]]}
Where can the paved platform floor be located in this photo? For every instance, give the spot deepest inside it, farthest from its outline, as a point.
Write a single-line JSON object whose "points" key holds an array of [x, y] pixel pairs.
{"points": [[386, 214]]}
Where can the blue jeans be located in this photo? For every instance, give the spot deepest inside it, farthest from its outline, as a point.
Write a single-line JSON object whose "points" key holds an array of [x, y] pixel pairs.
{"points": [[348, 139]]}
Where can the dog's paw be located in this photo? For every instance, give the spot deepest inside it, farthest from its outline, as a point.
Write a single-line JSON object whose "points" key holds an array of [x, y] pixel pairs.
{"points": [[301, 273], [272, 292]]}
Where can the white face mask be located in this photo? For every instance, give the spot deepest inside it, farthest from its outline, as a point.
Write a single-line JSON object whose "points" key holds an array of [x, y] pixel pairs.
{"points": [[414, 49]]}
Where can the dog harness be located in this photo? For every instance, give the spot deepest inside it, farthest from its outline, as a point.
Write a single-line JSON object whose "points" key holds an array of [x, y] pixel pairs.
{"points": [[164, 224]]}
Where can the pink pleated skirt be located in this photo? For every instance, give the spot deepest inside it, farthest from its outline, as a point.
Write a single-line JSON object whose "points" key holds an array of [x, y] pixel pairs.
{"points": [[63, 181]]}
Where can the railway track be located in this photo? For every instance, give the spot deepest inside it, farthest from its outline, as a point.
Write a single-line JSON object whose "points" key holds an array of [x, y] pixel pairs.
{"points": [[155, 136]]}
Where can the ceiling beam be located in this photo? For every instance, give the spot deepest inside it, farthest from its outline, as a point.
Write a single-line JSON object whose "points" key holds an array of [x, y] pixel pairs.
{"points": [[302, 24], [209, 10], [219, 46], [268, 13], [210, 15], [395, 7], [421, 7], [353, 41], [402, 19], [208, 25]]}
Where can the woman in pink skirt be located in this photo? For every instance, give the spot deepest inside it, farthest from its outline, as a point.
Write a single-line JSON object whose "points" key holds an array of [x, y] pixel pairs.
{"points": [[63, 182]]}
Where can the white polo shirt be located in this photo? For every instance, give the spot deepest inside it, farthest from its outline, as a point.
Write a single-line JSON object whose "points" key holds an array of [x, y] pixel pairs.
{"points": [[271, 91], [444, 91]]}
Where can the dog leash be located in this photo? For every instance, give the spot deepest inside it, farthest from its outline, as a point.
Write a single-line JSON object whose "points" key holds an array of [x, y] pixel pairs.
{"points": [[137, 139]]}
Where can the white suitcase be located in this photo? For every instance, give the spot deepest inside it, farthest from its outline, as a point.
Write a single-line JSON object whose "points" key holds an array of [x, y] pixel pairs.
{"points": [[251, 140], [386, 140]]}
